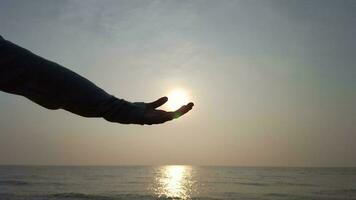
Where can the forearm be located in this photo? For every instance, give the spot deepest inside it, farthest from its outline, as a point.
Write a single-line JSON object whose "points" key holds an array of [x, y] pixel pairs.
{"points": [[55, 87]]}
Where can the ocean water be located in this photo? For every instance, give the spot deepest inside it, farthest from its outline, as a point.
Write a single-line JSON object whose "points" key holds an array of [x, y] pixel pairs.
{"points": [[175, 182]]}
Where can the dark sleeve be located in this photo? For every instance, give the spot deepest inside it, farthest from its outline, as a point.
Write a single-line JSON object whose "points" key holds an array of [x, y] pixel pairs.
{"points": [[55, 87]]}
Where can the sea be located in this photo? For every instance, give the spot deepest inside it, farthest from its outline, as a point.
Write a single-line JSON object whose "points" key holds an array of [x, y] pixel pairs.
{"points": [[175, 182]]}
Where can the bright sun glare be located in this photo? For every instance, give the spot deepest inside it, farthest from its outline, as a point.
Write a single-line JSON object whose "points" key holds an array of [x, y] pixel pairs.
{"points": [[176, 99]]}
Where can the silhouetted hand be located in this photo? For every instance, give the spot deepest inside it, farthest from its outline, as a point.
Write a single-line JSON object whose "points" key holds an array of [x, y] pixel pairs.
{"points": [[155, 116]]}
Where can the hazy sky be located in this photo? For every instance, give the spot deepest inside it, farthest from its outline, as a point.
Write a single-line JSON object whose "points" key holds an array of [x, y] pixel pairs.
{"points": [[274, 81]]}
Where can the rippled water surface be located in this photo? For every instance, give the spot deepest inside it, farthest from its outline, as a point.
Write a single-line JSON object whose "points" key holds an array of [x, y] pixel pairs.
{"points": [[175, 182]]}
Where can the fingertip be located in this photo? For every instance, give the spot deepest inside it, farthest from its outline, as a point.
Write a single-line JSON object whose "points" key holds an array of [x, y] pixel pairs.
{"points": [[163, 99], [159, 102]]}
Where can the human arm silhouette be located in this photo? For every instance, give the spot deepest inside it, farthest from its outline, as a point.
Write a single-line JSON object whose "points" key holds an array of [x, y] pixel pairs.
{"points": [[56, 87]]}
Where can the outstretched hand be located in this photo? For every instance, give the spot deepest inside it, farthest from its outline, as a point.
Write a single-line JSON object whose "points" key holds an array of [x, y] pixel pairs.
{"points": [[154, 116]]}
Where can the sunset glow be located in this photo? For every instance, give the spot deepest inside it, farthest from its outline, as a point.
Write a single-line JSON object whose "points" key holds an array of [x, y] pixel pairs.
{"points": [[176, 99]]}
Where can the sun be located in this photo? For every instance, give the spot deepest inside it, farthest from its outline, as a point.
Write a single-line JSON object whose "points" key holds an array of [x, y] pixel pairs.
{"points": [[176, 99]]}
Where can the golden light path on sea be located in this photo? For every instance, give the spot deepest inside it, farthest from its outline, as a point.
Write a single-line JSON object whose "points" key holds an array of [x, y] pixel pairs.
{"points": [[174, 181]]}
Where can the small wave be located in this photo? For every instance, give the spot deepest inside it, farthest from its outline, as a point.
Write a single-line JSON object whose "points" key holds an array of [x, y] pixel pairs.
{"points": [[252, 183], [78, 196], [81, 196], [13, 182], [278, 195], [290, 196], [351, 191], [9, 196], [24, 183], [295, 184]]}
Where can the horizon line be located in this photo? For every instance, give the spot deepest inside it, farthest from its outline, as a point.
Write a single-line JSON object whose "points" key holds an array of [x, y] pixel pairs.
{"points": [[159, 165]]}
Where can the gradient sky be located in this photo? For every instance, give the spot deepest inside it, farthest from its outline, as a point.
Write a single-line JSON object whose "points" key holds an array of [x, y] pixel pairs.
{"points": [[273, 81]]}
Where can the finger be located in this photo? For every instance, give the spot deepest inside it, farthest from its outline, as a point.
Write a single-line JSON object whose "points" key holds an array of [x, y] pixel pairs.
{"points": [[182, 110], [159, 102]]}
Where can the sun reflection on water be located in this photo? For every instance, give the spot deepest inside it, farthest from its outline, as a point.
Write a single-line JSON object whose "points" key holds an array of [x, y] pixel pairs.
{"points": [[174, 181]]}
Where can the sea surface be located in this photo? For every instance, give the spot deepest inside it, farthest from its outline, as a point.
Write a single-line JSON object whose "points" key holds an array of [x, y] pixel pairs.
{"points": [[175, 182]]}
